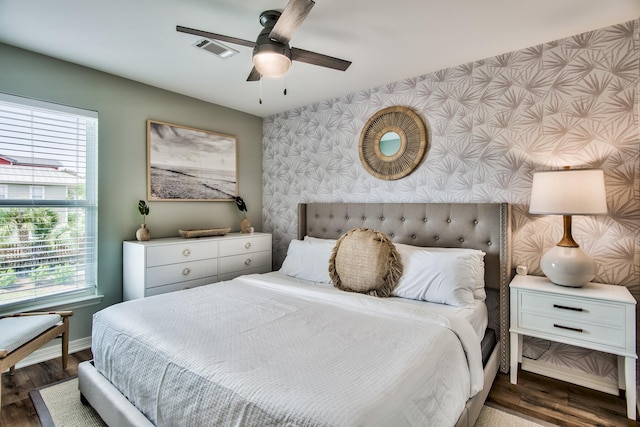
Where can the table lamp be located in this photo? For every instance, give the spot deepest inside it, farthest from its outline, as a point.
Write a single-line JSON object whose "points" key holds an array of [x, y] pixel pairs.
{"points": [[568, 192]]}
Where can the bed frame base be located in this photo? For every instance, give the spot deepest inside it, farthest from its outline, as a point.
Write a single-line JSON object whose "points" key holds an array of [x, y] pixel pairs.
{"points": [[116, 410], [474, 405], [108, 402]]}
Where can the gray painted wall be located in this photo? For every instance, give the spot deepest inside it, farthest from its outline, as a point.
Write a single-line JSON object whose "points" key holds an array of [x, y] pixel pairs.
{"points": [[123, 107]]}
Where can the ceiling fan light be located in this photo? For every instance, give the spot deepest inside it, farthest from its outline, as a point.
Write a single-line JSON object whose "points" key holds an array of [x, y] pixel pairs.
{"points": [[271, 64]]}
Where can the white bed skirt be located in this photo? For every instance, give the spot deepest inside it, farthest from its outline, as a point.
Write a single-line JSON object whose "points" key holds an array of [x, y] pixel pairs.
{"points": [[116, 410]]}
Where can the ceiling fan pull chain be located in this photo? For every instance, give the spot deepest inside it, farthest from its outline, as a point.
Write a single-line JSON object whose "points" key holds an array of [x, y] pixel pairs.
{"points": [[285, 85], [260, 98]]}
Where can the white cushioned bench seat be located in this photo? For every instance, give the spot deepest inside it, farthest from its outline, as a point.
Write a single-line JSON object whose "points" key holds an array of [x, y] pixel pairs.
{"points": [[23, 333], [17, 331]]}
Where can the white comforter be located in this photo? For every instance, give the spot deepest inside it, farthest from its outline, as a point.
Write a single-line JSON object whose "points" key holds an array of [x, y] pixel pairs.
{"points": [[255, 351]]}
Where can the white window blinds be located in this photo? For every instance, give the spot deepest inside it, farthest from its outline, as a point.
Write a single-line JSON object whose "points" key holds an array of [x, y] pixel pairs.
{"points": [[48, 215]]}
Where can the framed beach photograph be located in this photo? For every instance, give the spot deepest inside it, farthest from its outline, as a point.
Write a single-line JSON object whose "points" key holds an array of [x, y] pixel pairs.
{"points": [[186, 164]]}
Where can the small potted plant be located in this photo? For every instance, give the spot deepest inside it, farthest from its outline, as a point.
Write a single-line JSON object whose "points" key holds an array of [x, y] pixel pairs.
{"points": [[245, 225], [143, 234]]}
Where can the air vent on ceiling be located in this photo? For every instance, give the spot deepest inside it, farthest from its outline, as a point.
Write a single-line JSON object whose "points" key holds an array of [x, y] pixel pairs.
{"points": [[216, 48]]}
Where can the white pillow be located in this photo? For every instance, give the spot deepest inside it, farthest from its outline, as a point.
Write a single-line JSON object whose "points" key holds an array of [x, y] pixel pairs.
{"points": [[477, 259], [320, 241], [309, 259], [452, 276]]}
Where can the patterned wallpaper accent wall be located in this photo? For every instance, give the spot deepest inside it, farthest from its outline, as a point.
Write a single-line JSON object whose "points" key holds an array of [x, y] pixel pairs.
{"points": [[493, 122]]}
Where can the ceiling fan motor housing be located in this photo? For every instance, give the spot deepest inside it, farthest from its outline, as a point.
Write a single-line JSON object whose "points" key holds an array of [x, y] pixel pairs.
{"points": [[270, 57], [264, 42]]}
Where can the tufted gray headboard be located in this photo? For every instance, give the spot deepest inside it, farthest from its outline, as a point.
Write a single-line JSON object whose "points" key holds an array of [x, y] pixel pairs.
{"points": [[484, 226]]}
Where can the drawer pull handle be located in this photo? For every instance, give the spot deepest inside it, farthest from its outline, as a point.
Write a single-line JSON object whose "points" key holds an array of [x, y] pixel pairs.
{"points": [[185, 272], [568, 328], [186, 252], [247, 245], [247, 261], [564, 307]]}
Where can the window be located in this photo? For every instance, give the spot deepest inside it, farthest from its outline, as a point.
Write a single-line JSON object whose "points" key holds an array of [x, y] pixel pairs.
{"points": [[36, 192], [48, 215]]}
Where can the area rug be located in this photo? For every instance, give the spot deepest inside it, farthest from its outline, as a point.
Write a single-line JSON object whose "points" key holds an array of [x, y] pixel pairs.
{"points": [[58, 405], [496, 416]]}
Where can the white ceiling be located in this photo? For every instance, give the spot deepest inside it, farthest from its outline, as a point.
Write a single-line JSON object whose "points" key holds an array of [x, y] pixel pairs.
{"points": [[386, 40]]}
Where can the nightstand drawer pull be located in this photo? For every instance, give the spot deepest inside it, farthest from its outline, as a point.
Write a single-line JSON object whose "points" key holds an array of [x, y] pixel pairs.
{"points": [[186, 271], [247, 245], [568, 328], [564, 307], [247, 261], [186, 252]]}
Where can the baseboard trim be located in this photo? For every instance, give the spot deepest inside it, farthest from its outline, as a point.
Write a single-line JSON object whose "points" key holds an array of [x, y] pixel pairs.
{"points": [[54, 351]]}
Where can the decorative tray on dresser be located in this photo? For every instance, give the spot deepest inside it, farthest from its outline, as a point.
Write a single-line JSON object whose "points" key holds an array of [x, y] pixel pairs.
{"points": [[203, 232]]}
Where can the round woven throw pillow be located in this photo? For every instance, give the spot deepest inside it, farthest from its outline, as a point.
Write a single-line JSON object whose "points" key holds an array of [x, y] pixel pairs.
{"points": [[365, 261]]}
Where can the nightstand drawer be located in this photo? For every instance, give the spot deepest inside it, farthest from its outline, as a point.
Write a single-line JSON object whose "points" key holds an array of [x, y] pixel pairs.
{"points": [[188, 251], [587, 332], [574, 309], [166, 274]]}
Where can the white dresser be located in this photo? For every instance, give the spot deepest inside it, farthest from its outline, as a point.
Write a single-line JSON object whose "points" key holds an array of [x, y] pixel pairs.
{"points": [[597, 316], [165, 265]]}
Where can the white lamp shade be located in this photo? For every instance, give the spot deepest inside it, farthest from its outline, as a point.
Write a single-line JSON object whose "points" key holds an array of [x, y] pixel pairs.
{"points": [[271, 64], [568, 192]]}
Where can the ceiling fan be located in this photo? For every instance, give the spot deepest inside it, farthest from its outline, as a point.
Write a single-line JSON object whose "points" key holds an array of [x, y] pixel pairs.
{"points": [[272, 54]]}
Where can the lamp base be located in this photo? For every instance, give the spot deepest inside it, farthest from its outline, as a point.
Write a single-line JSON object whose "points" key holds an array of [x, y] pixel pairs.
{"points": [[568, 266]]}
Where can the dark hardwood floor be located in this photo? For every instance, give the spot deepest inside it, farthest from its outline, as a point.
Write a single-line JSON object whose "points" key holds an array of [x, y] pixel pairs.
{"points": [[543, 398], [17, 409], [559, 402]]}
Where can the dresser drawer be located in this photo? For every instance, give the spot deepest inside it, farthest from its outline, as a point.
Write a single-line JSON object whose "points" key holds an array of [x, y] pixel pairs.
{"points": [[182, 252], [180, 286], [574, 309], [233, 275], [561, 327], [172, 273], [245, 262], [245, 245]]}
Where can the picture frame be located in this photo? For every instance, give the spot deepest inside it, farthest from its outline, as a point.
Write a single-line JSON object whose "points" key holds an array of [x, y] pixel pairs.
{"points": [[188, 164]]}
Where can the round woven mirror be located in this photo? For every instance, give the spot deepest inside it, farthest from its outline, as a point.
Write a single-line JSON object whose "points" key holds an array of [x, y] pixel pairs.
{"points": [[393, 143]]}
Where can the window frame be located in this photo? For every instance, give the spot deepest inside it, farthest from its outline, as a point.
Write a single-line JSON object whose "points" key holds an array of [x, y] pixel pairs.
{"points": [[42, 195], [74, 297]]}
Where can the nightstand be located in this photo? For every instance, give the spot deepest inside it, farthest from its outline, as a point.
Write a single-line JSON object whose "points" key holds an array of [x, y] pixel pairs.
{"points": [[596, 316]]}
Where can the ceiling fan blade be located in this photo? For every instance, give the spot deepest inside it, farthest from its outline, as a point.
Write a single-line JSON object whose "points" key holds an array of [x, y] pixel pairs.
{"points": [[292, 16], [215, 36], [319, 59], [254, 75]]}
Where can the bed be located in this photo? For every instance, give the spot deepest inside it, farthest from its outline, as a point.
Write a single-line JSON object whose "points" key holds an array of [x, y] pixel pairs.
{"points": [[275, 349]]}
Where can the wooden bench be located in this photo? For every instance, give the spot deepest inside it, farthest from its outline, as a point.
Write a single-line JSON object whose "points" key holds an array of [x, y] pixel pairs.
{"points": [[23, 333]]}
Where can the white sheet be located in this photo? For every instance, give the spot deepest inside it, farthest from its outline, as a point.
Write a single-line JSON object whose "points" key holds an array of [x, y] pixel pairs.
{"points": [[476, 314], [256, 351]]}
